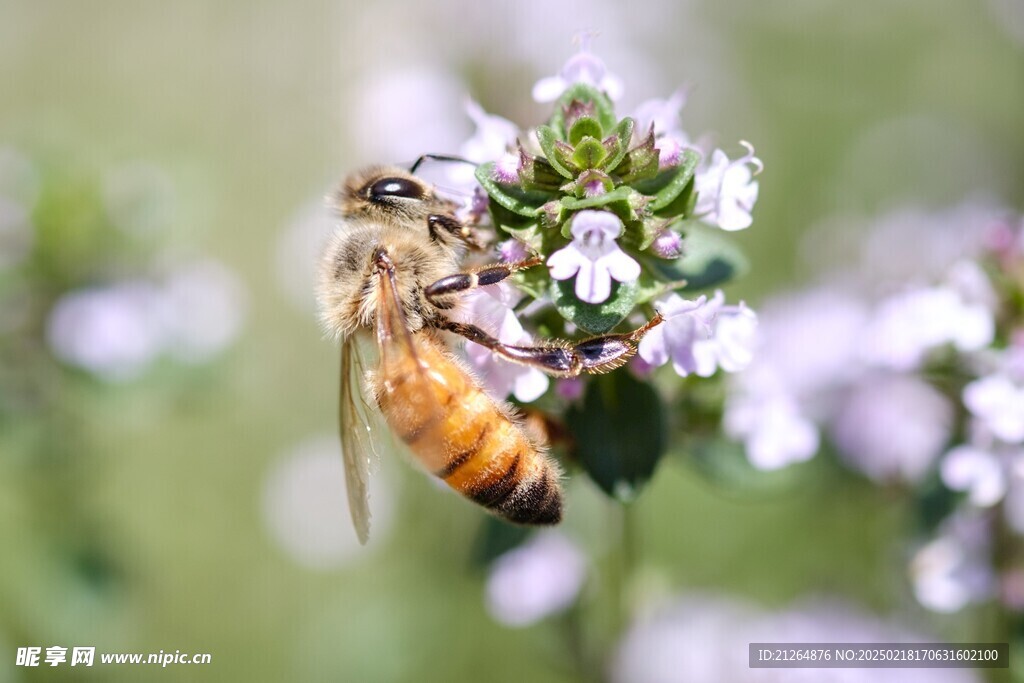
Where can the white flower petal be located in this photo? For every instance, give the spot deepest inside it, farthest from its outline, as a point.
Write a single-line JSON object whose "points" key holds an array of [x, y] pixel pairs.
{"points": [[593, 284], [530, 385], [565, 262], [549, 89], [622, 266], [966, 468], [652, 347]]}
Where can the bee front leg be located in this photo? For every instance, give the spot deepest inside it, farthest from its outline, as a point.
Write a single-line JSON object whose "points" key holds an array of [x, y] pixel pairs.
{"points": [[441, 292], [439, 223], [561, 358]]}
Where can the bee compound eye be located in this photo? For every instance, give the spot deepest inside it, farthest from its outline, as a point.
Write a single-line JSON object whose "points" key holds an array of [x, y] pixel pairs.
{"points": [[396, 187]]}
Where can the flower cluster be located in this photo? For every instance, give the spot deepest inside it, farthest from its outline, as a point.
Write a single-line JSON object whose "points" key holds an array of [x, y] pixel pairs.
{"points": [[916, 379], [626, 215]]}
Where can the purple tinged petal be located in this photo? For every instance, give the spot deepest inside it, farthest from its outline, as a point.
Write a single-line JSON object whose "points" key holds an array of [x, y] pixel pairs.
{"points": [[565, 262], [593, 284], [621, 266]]}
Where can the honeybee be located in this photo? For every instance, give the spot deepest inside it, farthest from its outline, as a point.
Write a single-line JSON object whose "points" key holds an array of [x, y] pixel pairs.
{"points": [[391, 270]]}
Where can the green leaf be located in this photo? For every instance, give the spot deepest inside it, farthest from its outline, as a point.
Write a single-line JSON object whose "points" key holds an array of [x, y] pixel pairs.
{"points": [[548, 140], [620, 433], [589, 153], [512, 197], [682, 206], [534, 281], [594, 318], [538, 174], [650, 288], [670, 183], [622, 201], [624, 133], [709, 260], [583, 127], [509, 220], [639, 163], [603, 109]]}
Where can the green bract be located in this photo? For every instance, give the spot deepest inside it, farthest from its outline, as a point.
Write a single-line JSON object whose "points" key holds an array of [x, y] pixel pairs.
{"points": [[590, 160]]}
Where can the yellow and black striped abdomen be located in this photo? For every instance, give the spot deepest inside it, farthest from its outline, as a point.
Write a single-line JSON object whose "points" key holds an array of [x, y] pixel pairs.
{"points": [[462, 436]]}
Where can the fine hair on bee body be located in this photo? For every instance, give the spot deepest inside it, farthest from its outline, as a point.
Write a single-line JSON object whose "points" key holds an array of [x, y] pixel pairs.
{"points": [[392, 269]]}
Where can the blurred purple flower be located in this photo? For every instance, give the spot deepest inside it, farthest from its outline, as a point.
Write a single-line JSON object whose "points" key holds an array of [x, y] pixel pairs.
{"points": [[305, 509], [727, 190], [976, 471], [954, 570], [494, 135], [594, 257], [893, 427], [669, 137], [202, 309], [583, 67], [115, 332], [512, 250], [704, 639], [112, 332], [538, 579], [772, 428], [997, 402], [907, 326], [491, 309], [700, 336]]}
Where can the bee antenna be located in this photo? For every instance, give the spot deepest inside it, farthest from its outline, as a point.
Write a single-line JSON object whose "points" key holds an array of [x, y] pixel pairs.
{"points": [[440, 157]]}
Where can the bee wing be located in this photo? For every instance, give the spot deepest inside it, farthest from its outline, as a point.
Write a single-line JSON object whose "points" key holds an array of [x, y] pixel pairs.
{"points": [[357, 447], [400, 359]]}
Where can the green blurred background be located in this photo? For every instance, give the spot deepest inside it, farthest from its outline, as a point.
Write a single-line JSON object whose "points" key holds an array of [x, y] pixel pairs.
{"points": [[149, 514]]}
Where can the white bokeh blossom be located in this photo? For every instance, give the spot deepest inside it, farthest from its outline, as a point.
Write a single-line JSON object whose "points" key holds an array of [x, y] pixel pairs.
{"points": [[699, 336], [892, 427], [117, 331], [704, 638], [583, 67], [305, 509], [774, 431], [976, 471], [662, 116], [540, 578], [907, 326], [997, 402], [727, 190], [594, 257], [953, 570]]}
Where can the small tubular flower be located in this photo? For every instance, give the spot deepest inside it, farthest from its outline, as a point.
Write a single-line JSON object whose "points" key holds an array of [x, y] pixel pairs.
{"points": [[594, 257], [700, 336], [583, 67], [727, 189]]}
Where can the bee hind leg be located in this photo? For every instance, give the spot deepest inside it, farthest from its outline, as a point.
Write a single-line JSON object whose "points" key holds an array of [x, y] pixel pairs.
{"points": [[442, 292], [561, 358]]}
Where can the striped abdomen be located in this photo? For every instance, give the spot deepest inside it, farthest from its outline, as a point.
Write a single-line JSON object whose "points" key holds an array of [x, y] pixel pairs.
{"points": [[462, 436]]}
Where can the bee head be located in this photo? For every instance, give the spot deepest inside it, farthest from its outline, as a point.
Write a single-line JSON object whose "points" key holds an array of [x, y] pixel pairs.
{"points": [[388, 193]]}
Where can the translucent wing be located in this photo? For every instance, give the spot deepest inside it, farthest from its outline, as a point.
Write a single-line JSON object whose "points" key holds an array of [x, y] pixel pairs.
{"points": [[413, 385], [357, 447]]}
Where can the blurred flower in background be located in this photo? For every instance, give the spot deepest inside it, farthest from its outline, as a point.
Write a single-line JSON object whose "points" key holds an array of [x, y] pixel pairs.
{"points": [[704, 638], [538, 579], [305, 508]]}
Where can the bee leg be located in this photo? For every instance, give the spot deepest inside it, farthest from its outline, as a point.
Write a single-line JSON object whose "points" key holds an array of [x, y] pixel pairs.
{"points": [[441, 292], [561, 358], [439, 223]]}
